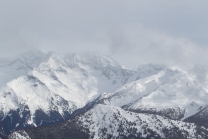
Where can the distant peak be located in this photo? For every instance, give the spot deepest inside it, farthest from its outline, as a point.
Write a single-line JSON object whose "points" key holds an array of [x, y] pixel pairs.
{"points": [[151, 66], [31, 51]]}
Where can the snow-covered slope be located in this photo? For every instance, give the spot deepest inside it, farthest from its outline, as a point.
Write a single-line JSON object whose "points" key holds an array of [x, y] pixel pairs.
{"points": [[14, 67], [108, 120], [165, 91], [43, 89], [56, 83], [112, 122], [33, 77], [19, 135]]}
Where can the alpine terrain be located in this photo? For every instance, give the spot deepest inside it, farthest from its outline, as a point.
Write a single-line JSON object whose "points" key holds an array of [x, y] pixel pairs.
{"points": [[92, 96]]}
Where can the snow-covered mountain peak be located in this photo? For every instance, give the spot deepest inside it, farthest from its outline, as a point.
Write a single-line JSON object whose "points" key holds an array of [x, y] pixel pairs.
{"points": [[62, 83], [25, 60], [84, 60], [150, 67], [166, 89], [17, 66]]}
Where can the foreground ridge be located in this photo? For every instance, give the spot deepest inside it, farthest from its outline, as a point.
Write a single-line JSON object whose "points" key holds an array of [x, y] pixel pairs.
{"points": [[112, 122]]}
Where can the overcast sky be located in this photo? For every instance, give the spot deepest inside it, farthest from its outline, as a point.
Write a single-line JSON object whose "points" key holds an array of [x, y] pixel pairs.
{"points": [[131, 31]]}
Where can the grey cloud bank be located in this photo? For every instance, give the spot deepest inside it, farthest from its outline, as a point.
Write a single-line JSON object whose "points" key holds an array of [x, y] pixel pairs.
{"points": [[132, 32]]}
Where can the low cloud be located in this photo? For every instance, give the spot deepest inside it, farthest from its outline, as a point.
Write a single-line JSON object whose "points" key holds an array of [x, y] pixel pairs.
{"points": [[133, 33], [135, 44]]}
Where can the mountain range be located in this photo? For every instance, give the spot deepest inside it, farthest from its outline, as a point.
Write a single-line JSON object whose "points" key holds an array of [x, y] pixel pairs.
{"points": [[53, 95]]}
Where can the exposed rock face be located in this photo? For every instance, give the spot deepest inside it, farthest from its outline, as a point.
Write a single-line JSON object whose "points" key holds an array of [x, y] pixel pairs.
{"points": [[200, 118]]}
